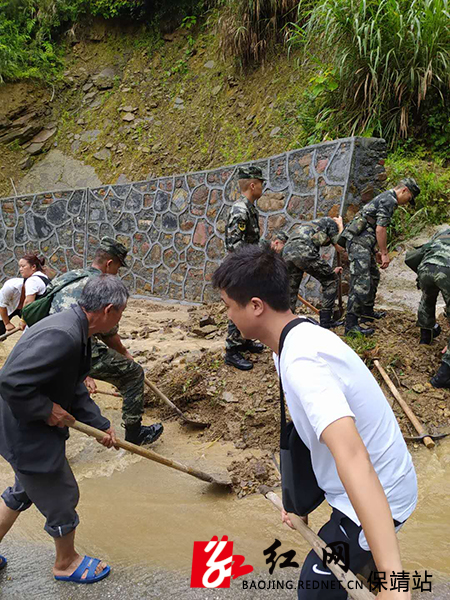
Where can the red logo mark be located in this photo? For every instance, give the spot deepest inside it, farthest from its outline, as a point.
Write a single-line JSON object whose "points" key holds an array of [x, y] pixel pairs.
{"points": [[213, 564]]}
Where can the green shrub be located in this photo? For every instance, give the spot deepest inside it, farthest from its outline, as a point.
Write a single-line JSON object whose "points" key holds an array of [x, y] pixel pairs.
{"points": [[391, 58], [431, 207], [249, 28]]}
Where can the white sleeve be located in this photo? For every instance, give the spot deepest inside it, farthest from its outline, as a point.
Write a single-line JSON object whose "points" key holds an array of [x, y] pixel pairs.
{"points": [[315, 387], [6, 295], [34, 285]]}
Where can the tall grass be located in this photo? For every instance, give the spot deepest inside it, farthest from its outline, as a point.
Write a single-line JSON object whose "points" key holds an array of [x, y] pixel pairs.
{"points": [[249, 28], [391, 58]]}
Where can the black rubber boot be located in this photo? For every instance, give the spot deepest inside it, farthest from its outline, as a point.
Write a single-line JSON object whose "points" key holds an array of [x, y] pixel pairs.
{"points": [[370, 315], [254, 347], [442, 377], [139, 434], [426, 336], [235, 359], [326, 320], [352, 327], [436, 330]]}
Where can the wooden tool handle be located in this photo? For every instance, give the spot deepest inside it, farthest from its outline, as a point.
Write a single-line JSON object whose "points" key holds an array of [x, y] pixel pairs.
{"points": [[99, 435], [306, 303], [163, 397], [429, 443], [318, 545], [339, 264], [8, 333]]}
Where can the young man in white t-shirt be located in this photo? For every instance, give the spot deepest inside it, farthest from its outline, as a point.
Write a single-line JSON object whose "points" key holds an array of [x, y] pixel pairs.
{"points": [[358, 454]]}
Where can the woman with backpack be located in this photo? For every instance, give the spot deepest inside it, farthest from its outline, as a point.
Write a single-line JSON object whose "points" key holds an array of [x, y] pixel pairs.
{"points": [[32, 269]]}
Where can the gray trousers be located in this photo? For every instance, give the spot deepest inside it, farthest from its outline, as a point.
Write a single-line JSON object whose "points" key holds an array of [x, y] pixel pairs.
{"points": [[55, 495]]}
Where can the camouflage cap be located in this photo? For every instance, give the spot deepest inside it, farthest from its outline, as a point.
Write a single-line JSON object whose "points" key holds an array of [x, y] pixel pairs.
{"points": [[250, 173], [412, 186], [280, 235], [114, 248]]}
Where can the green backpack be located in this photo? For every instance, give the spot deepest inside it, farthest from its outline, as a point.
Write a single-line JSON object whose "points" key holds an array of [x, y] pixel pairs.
{"points": [[414, 257], [40, 308]]}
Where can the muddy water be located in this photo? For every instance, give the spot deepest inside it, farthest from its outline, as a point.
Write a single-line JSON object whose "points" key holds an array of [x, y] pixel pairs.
{"points": [[144, 518]]}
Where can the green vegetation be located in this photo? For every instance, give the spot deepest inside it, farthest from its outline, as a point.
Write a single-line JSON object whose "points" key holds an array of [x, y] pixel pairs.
{"points": [[432, 206], [31, 30], [388, 73]]}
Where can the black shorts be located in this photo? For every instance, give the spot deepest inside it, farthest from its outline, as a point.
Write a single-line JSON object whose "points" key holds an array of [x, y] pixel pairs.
{"points": [[316, 581]]}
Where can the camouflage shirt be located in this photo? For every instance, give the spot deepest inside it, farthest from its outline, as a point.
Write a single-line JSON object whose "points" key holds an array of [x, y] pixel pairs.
{"points": [[242, 226], [438, 250], [70, 295], [317, 233], [377, 212]]}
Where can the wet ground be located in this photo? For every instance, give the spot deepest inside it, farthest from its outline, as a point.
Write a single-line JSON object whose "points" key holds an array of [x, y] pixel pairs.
{"points": [[143, 518]]}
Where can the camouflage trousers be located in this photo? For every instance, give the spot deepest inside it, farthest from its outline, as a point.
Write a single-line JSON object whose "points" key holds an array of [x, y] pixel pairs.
{"points": [[433, 279], [318, 268], [364, 278], [128, 377], [234, 337]]}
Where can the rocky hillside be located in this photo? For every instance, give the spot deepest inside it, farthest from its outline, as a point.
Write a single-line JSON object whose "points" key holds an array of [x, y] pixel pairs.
{"points": [[131, 104]]}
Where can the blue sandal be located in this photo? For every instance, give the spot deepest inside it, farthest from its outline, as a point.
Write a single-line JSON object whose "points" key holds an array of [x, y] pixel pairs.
{"points": [[3, 562], [90, 564]]}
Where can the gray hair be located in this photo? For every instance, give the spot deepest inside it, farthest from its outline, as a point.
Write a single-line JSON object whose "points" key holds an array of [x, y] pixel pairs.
{"points": [[101, 291]]}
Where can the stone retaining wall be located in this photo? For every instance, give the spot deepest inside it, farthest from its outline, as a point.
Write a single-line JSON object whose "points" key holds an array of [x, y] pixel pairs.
{"points": [[174, 226]]}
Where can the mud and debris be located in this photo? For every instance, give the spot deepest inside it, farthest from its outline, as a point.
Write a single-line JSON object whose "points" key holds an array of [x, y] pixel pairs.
{"points": [[182, 348]]}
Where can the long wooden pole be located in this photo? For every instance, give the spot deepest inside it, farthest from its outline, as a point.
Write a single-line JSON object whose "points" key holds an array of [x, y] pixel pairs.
{"points": [[308, 304], [348, 580], [340, 303], [8, 333], [429, 443], [146, 453]]}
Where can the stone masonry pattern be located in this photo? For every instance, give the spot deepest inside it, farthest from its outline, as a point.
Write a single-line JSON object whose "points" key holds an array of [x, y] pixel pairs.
{"points": [[174, 226]]}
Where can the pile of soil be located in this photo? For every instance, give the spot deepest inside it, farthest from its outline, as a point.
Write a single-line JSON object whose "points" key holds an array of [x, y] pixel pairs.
{"points": [[243, 407]]}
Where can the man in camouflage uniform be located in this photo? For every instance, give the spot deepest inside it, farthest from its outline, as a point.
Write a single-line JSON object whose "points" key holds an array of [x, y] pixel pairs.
{"points": [[302, 255], [367, 229], [111, 361], [279, 239], [434, 277], [243, 228]]}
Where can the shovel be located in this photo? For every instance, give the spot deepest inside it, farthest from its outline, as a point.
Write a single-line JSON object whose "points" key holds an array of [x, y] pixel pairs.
{"points": [[8, 333], [164, 398], [348, 580], [220, 480], [337, 314], [423, 435]]}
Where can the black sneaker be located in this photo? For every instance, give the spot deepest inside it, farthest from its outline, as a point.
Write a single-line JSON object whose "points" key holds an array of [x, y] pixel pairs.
{"points": [[372, 315], [352, 327], [254, 347], [235, 359], [326, 319], [442, 377], [143, 434], [426, 336]]}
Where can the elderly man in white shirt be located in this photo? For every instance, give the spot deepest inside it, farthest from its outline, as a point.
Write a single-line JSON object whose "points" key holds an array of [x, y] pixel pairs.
{"points": [[12, 296]]}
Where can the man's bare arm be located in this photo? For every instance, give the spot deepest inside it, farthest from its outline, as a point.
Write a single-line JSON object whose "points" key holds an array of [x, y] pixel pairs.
{"points": [[381, 234], [365, 492]]}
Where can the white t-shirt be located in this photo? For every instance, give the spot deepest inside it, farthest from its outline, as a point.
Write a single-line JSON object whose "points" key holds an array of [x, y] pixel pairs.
{"points": [[10, 294], [325, 380], [35, 285]]}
